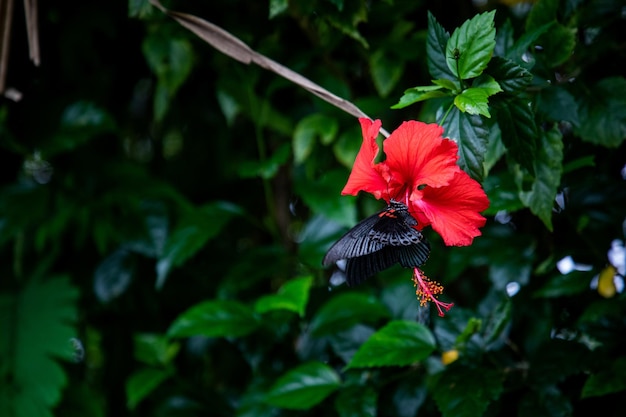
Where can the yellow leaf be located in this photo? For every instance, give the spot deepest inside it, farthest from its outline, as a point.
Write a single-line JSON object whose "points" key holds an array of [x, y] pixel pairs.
{"points": [[606, 283], [449, 356]]}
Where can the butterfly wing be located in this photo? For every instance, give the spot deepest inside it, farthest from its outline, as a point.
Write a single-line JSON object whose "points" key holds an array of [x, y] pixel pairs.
{"points": [[362, 267], [356, 242], [378, 242]]}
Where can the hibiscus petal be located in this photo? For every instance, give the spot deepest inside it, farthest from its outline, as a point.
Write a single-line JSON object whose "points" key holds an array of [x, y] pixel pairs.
{"points": [[453, 210], [417, 154], [366, 175]]}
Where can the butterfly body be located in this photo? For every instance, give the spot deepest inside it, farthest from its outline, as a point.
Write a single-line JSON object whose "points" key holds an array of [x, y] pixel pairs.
{"points": [[378, 242]]}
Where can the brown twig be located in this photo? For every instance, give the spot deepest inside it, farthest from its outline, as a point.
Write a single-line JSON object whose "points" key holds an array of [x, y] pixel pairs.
{"points": [[6, 12], [232, 46]]}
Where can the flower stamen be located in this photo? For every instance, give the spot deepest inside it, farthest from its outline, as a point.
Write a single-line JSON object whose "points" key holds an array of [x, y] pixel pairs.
{"points": [[426, 290]]}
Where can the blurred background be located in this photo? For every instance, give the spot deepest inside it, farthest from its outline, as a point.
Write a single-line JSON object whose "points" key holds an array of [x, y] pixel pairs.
{"points": [[164, 210]]}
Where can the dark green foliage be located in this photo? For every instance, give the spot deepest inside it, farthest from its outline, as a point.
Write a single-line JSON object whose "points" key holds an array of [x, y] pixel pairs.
{"points": [[164, 210]]}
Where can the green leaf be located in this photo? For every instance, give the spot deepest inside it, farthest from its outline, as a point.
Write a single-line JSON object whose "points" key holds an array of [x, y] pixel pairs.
{"points": [[478, 386], [518, 53], [519, 132], [451, 85], [215, 318], [278, 7], [498, 320], [195, 231], [292, 296], [608, 381], [563, 285], [548, 167], [81, 122], [603, 114], [171, 59], [512, 78], [140, 8], [470, 47], [141, 383], [417, 94], [357, 401], [308, 130], [269, 167], [316, 195], [469, 132], [559, 41], [347, 146], [502, 192], [471, 328], [542, 12], [487, 83], [386, 71], [495, 147], [557, 104], [436, 50], [154, 349], [345, 310], [473, 101], [398, 343], [303, 387], [558, 44], [37, 329], [504, 38]]}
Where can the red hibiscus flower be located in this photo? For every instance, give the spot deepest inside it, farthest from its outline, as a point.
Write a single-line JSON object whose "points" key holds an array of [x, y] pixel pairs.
{"points": [[420, 169]]}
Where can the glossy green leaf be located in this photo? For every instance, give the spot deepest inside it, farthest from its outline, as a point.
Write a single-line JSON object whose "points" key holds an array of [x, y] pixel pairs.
{"points": [[215, 318], [473, 101], [603, 114], [37, 330], [417, 94], [511, 78], [398, 343], [481, 385], [470, 47], [519, 132], [470, 133], [292, 296], [436, 50], [488, 84], [344, 310], [308, 130], [608, 381], [201, 225], [143, 382], [304, 386], [548, 167], [357, 401]]}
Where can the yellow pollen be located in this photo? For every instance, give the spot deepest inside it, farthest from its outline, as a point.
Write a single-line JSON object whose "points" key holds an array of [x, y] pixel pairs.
{"points": [[426, 289]]}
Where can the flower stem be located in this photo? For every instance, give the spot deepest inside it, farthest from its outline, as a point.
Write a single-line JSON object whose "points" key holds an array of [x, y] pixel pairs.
{"points": [[443, 119]]}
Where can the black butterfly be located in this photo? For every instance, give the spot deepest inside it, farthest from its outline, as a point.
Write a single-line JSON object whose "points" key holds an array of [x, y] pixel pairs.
{"points": [[378, 242]]}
